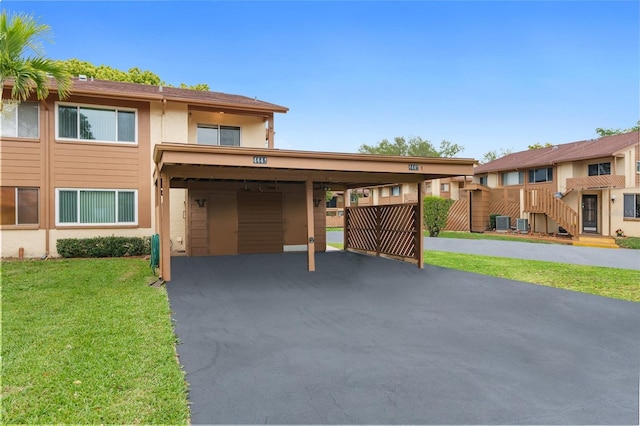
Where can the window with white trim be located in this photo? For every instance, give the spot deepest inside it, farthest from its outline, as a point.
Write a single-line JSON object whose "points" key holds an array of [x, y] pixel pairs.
{"points": [[600, 169], [444, 187], [632, 206], [20, 120], [541, 175], [637, 166], [512, 178], [96, 206], [96, 124], [18, 206], [395, 191], [213, 134]]}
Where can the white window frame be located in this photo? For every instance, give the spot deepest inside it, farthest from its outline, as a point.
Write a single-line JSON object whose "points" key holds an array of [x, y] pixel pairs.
{"points": [[445, 187], [395, 189], [15, 109], [637, 166], [511, 174], [78, 223], [101, 107], [217, 127], [635, 203]]}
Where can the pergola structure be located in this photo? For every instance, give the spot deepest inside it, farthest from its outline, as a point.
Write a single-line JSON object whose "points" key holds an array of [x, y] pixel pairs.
{"points": [[177, 164]]}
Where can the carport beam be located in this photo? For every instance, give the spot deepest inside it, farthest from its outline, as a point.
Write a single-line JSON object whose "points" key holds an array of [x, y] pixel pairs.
{"points": [[420, 238], [311, 251]]}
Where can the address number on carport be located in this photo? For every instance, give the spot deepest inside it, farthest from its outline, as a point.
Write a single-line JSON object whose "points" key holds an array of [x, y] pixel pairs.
{"points": [[259, 160]]}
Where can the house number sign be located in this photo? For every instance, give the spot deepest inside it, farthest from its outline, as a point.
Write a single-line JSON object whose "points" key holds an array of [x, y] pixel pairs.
{"points": [[413, 167], [259, 160]]}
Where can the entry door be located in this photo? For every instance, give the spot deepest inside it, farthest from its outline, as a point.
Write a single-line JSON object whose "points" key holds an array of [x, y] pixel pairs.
{"points": [[589, 213]]}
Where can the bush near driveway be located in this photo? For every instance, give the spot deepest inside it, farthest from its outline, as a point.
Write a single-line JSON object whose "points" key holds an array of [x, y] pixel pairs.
{"points": [[88, 341]]}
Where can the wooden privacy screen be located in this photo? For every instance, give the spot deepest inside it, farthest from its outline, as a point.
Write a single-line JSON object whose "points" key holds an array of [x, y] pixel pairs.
{"points": [[390, 230]]}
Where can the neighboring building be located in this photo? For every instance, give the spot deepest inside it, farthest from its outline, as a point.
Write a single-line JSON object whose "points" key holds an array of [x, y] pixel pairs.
{"points": [[196, 167], [586, 187]]}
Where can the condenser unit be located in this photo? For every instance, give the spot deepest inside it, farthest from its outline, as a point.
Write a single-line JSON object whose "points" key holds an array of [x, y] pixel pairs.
{"points": [[522, 225], [503, 223]]}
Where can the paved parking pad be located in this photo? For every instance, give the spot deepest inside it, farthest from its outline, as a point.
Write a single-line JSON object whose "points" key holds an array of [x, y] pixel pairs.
{"points": [[366, 340]]}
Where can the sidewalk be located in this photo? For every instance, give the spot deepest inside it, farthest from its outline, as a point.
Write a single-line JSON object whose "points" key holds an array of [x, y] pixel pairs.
{"points": [[614, 258]]}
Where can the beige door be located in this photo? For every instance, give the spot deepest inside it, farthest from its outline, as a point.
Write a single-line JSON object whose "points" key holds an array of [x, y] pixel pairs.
{"points": [[222, 215], [260, 222]]}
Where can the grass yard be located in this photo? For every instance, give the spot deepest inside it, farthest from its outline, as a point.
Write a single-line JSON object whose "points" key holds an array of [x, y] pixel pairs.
{"points": [[609, 282], [88, 341], [479, 236], [629, 242]]}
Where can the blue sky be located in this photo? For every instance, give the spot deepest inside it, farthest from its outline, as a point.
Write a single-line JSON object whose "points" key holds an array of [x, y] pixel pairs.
{"points": [[485, 75]]}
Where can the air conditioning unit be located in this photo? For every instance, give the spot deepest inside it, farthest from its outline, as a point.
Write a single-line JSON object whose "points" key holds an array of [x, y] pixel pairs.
{"points": [[503, 223], [522, 225]]}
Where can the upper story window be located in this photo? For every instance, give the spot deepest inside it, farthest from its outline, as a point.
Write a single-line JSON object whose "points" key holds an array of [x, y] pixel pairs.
{"points": [[96, 207], [18, 206], [218, 135], [600, 169], [395, 191], [482, 180], [632, 206], [92, 123], [21, 120], [637, 166], [444, 187], [512, 178], [541, 175]]}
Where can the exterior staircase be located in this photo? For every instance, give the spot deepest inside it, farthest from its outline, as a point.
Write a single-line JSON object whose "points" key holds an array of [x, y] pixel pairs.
{"points": [[595, 241], [544, 201]]}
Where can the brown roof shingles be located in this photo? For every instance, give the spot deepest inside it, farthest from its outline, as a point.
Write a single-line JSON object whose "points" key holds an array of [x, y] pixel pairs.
{"points": [[147, 91], [574, 151]]}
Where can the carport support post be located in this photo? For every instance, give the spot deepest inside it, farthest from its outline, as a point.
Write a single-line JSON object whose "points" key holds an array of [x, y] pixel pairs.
{"points": [[165, 241], [420, 223], [311, 250]]}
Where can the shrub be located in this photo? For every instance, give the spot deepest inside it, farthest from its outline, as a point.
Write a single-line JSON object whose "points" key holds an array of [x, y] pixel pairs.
{"points": [[104, 246], [492, 220], [436, 210]]}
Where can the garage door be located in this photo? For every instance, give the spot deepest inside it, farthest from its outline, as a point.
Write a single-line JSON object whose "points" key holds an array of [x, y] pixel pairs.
{"points": [[260, 222]]}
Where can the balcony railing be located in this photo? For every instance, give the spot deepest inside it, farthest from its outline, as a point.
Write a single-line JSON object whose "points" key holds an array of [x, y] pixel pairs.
{"points": [[593, 182]]}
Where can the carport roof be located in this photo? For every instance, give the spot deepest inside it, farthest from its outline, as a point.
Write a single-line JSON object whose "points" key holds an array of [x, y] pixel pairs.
{"points": [[339, 170]]}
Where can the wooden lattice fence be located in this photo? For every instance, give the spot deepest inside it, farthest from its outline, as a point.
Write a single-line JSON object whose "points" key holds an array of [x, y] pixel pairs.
{"points": [[458, 218], [391, 230]]}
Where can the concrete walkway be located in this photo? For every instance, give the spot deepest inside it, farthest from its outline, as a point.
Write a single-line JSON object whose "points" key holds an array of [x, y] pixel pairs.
{"points": [[614, 258]]}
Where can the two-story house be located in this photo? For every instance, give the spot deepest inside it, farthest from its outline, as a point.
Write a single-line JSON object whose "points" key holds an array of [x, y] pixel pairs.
{"points": [[198, 168], [587, 188]]}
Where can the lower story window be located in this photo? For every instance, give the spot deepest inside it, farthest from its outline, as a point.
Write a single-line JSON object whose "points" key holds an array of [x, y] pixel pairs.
{"points": [[444, 187], [18, 206], [96, 207], [632, 206]]}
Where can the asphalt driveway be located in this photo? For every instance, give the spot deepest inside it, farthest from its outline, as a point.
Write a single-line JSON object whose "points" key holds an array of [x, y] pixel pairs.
{"points": [[375, 341]]}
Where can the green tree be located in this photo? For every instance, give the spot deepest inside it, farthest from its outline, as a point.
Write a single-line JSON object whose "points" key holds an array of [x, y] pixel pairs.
{"points": [[416, 147], [539, 145], [610, 132], [22, 59], [494, 154], [133, 75], [436, 210]]}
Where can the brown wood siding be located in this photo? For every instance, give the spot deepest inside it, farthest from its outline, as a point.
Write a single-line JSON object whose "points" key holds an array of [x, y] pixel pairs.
{"points": [[104, 165], [198, 227], [20, 163], [260, 222], [480, 211], [295, 219]]}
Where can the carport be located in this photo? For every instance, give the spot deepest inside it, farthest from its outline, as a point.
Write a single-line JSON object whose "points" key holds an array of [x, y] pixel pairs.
{"points": [[392, 231]]}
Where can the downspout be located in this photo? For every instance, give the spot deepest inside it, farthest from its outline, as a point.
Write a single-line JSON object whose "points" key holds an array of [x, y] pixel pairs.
{"points": [[47, 179]]}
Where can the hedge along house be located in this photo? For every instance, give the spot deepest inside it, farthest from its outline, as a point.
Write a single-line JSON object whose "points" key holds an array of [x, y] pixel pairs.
{"points": [[197, 167]]}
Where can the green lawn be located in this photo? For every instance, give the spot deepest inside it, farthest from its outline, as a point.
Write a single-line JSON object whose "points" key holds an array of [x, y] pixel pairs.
{"points": [[629, 242], [88, 341], [609, 282], [482, 236]]}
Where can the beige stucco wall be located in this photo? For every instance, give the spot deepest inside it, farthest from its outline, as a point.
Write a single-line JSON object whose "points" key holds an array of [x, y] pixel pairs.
{"points": [[252, 129], [175, 123], [493, 180], [564, 171], [32, 240], [627, 167], [177, 226], [435, 187], [631, 227], [454, 190]]}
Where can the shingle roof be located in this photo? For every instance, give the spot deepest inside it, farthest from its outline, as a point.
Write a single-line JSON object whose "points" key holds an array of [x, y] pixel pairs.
{"points": [[574, 151], [146, 91]]}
